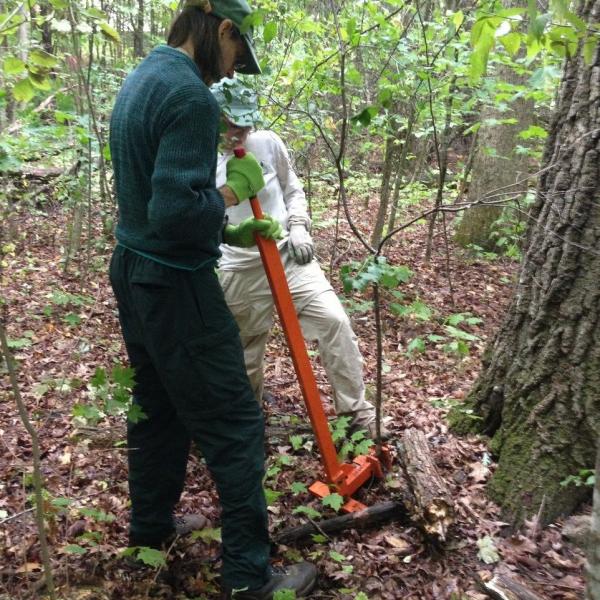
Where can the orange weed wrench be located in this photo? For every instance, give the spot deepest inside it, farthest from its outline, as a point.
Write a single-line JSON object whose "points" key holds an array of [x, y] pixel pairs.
{"points": [[345, 477]]}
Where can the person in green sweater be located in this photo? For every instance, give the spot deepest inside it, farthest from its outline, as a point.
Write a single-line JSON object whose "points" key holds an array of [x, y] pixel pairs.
{"points": [[181, 339]]}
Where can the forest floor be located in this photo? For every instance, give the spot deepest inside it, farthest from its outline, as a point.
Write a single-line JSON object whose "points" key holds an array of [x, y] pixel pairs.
{"points": [[63, 327]]}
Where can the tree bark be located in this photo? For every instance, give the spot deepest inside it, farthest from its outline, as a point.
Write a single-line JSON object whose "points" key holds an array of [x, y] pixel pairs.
{"points": [[538, 393], [138, 34], [364, 518], [432, 507]]}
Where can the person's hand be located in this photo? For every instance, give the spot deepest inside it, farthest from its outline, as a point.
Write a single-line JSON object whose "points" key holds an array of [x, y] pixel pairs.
{"points": [[242, 235], [244, 176], [300, 244]]}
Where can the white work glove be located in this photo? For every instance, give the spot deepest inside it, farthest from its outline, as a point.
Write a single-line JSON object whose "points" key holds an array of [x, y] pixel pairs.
{"points": [[300, 244]]}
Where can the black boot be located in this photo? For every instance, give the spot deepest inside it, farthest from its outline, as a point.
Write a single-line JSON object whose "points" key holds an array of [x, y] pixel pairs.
{"points": [[300, 577]]}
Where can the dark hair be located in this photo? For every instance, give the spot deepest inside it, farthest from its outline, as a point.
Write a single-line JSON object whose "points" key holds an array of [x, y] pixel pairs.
{"points": [[203, 29]]}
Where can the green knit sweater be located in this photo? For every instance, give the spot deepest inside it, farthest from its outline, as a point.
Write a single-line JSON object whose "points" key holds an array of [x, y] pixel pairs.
{"points": [[163, 140]]}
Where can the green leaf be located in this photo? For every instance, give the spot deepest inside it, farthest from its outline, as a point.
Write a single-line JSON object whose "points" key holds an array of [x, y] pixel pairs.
{"points": [[75, 549], [97, 515], [296, 441], [538, 25], [109, 33], [151, 557], [270, 31], [19, 343], [207, 534], [459, 334], [458, 18], [511, 42], [135, 413], [13, 65], [365, 116], [334, 501], [123, 376], [416, 345], [106, 152], [363, 447], [284, 594], [318, 538], [337, 556], [41, 58], [308, 511], [487, 550], [99, 378], [271, 496], [298, 488], [72, 319], [23, 91], [533, 131], [93, 13]]}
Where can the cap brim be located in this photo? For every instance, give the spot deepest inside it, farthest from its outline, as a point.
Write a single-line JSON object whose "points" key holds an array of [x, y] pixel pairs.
{"points": [[251, 66]]}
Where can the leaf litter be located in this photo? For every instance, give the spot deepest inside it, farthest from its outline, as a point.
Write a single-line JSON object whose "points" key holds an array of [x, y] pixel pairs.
{"points": [[85, 469]]}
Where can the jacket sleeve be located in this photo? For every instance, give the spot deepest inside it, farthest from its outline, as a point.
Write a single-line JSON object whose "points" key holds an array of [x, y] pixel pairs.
{"points": [[185, 204], [293, 193]]}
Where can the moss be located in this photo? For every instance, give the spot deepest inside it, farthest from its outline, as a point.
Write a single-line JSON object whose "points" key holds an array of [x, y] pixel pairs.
{"points": [[462, 420]]}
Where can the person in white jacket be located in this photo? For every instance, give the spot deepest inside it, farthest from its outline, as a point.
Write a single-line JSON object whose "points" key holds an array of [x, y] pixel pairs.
{"points": [[242, 275]]}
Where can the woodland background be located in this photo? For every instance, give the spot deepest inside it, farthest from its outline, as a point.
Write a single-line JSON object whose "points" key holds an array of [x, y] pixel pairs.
{"points": [[450, 156]]}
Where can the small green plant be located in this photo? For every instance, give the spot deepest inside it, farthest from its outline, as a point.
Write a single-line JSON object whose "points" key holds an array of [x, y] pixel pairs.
{"points": [[454, 340], [110, 394], [284, 594], [584, 477], [357, 276], [148, 556]]}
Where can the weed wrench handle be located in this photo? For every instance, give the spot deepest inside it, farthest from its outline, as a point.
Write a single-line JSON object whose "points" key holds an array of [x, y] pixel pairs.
{"points": [[271, 260]]}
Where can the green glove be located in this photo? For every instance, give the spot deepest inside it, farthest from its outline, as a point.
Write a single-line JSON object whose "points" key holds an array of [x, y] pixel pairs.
{"points": [[242, 235], [244, 176]]}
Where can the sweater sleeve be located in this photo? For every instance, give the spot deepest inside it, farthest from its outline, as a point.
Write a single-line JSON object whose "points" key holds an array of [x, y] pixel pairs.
{"points": [[185, 204], [293, 193]]}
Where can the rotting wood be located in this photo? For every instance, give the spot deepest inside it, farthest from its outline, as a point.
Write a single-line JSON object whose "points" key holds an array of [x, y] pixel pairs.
{"points": [[377, 513], [431, 506], [503, 587]]}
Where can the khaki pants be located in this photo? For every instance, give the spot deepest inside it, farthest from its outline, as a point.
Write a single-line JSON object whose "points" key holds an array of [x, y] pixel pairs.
{"points": [[322, 319]]}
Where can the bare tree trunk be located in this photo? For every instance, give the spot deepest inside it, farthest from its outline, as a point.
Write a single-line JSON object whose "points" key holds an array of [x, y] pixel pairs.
{"points": [[538, 392], [138, 33], [386, 184]]}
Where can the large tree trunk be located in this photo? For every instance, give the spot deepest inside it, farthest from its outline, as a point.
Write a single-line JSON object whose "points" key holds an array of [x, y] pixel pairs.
{"points": [[496, 164], [539, 391]]}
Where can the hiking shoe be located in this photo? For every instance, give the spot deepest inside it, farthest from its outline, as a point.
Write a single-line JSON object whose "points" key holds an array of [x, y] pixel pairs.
{"points": [[187, 523], [300, 578]]}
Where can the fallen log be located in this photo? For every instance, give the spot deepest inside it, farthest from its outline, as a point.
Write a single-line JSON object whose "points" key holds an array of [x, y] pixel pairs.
{"points": [[504, 587], [431, 506], [373, 514]]}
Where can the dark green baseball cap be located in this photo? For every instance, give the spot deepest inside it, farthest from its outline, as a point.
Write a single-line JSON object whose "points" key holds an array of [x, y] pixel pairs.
{"points": [[237, 11]]}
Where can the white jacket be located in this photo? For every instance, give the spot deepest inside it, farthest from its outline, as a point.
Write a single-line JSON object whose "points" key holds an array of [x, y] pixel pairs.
{"points": [[282, 197]]}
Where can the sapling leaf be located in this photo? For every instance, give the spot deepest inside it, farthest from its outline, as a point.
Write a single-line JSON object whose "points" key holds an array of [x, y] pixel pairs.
{"points": [[308, 511], [334, 501], [151, 557], [298, 488]]}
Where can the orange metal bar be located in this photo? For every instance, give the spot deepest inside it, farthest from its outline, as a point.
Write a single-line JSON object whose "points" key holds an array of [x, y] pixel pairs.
{"points": [[346, 477], [291, 326]]}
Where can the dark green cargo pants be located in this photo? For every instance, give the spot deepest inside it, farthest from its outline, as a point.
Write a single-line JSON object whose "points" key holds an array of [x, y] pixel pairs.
{"points": [[191, 383]]}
